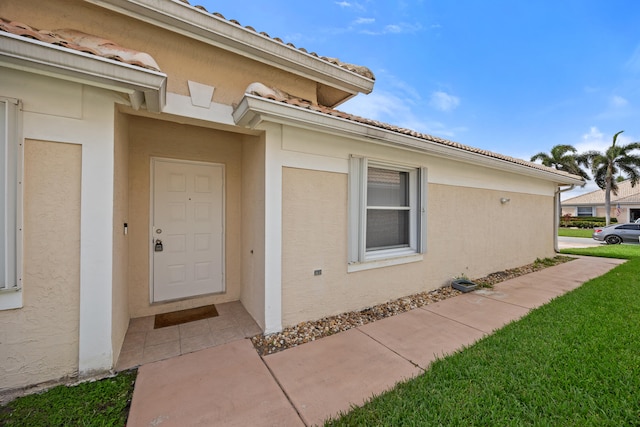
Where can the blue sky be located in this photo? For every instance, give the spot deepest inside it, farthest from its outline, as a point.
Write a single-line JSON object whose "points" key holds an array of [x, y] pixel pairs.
{"points": [[511, 76]]}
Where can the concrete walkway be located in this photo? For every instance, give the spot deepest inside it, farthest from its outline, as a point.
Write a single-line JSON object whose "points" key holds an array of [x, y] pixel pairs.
{"points": [[231, 385]]}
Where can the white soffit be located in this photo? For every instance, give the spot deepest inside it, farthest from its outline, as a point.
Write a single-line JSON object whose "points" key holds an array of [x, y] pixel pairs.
{"points": [[141, 85], [254, 110], [194, 23]]}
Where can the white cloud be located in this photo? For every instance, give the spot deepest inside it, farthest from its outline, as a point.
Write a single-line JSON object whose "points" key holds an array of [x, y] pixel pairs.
{"points": [[598, 141], [618, 101], [592, 140], [401, 28], [361, 21], [633, 63], [378, 105], [594, 133], [351, 5], [618, 108], [395, 109], [443, 101], [398, 103]]}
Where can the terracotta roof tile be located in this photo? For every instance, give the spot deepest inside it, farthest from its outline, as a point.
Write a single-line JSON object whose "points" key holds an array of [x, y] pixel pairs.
{"points": [[275, 94], [358, 69], [626, 194], [82, 42]]}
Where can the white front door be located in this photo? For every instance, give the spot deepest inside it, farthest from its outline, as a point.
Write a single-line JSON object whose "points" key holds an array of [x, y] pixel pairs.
{"points": [[187, 228]]}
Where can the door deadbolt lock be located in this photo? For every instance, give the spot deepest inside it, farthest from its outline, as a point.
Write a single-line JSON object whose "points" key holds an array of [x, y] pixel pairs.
{"points": [[158, 247]]}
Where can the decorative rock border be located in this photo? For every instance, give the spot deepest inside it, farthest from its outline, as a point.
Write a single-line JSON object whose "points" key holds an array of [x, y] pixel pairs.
{"points": [[310, 331]]}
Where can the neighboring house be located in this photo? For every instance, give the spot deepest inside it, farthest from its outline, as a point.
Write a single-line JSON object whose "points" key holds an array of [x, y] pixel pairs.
{"points": [[221, 147], [625, 206]]}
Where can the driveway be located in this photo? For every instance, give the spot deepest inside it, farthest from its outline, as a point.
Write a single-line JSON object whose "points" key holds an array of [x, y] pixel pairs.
{"points": [[576, 242]]}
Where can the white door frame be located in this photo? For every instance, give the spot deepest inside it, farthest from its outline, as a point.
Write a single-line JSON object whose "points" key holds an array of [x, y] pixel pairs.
{"points": [[150, 236]]}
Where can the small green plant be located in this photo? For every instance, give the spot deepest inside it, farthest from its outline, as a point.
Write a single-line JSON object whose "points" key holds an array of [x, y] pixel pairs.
{"points": [[547, 262], [461, 276]]}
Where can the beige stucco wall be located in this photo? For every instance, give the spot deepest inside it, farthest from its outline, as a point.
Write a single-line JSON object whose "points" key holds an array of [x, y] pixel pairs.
{"points": [[181, 58], [252, 294], [39, 342], [468, 231], [120, 290], [601, 211], [148, 138]]}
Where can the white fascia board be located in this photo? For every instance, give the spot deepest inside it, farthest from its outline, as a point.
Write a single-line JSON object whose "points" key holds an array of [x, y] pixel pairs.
{"points": [[253, 110], [43, 58], [197, 24]]}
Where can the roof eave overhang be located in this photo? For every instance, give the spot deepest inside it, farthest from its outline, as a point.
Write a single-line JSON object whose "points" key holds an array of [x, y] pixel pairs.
{"points": [[143, 87], [197, 24], [254, 110]]}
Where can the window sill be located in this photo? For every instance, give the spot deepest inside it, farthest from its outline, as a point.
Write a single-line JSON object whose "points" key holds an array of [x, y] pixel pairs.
{"points": [[10, 299], [387, 262]]}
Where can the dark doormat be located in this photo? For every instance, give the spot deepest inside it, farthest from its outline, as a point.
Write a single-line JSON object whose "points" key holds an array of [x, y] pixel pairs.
{"points": [[184, 316]]}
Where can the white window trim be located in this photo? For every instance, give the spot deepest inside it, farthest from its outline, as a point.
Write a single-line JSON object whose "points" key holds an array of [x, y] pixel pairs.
{"points": [[359, 257], [11, 140], [590, 207]]}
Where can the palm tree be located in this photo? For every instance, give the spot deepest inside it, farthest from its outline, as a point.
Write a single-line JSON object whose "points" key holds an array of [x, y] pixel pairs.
{"points": [[605, 166], [562, 157]]}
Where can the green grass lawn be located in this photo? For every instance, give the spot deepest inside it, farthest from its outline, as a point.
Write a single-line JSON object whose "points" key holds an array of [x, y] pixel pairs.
{"points": [[607, 251], [98, 403], [575, 232], [572, 362]]}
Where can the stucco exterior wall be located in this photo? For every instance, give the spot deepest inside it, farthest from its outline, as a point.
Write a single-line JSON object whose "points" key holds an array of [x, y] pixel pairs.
{"points": [[120, 291], [148, 138], [181, 58], [468, 231], [39, 342], [252, 294], [69, 113]]}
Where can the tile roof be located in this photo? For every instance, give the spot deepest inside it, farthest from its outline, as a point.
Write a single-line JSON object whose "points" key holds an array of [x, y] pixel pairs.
{"points": [[82, 42], [275, 94], [626, 194], [358, 69]]}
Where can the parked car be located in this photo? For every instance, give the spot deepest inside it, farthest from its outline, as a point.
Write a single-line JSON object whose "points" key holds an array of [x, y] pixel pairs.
{"points": [[618, 233]]}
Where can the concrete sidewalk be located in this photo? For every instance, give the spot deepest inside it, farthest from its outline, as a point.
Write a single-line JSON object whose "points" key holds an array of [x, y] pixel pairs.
{"points": [[231, 385]]}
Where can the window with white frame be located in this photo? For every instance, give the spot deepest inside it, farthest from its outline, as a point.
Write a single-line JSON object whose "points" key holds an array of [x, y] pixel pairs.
{"points": [[10, 195], [386, 210], [585, 211]]}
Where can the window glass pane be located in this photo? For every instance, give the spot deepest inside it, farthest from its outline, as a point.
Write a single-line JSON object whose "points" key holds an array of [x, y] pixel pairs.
{"points": [[585, 211], [387, 187], [627, 227], [387, 229]]}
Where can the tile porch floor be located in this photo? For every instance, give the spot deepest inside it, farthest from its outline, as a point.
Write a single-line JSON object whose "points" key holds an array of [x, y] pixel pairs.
{"points": [[143, 344]]}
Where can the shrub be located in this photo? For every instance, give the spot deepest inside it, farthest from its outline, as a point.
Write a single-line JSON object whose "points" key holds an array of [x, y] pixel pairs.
{"points": [[585, 221], [587, 224]]}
